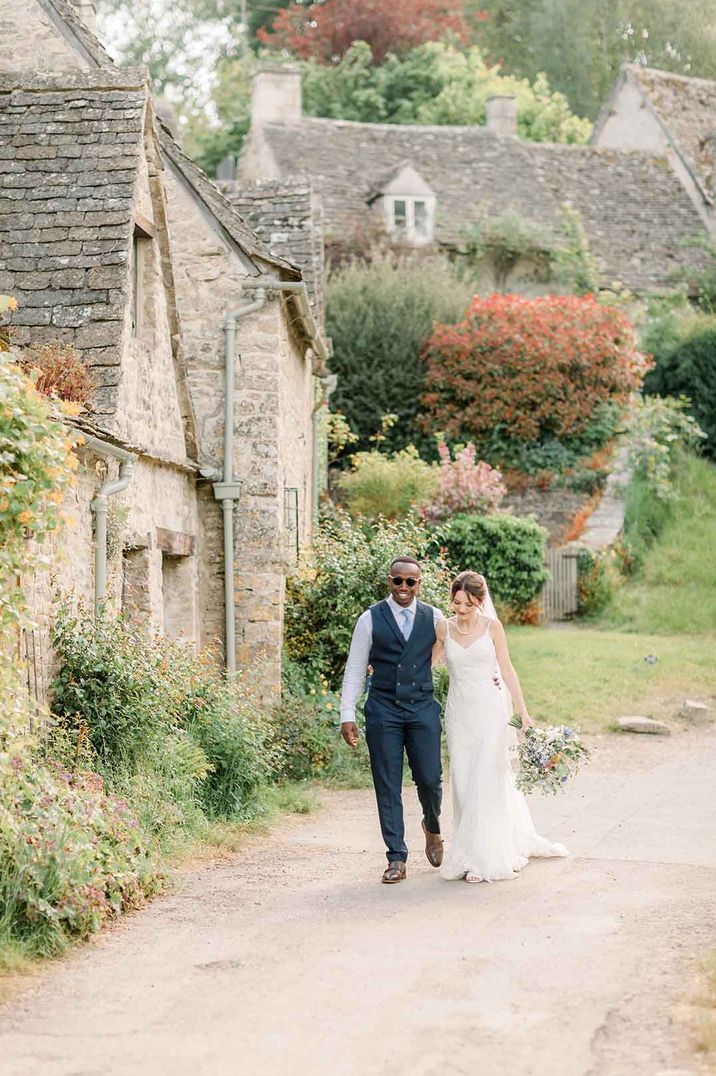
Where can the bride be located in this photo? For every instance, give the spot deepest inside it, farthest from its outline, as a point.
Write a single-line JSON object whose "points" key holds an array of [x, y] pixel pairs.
{"points": [[494, 835]]}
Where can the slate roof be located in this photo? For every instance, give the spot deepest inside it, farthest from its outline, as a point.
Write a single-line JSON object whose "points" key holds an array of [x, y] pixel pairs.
{"points": [[251, 242], [69, 151], [687, 109], [635, 212]]}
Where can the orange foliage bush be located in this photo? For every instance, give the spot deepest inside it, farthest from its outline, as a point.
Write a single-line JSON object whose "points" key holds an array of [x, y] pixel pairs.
{"points": [[579, 519], [59, 372], [519, 369]]}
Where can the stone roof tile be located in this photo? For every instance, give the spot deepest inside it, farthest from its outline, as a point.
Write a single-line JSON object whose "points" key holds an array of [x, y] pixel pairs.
{"points": [[65, 221], [635, 212]]}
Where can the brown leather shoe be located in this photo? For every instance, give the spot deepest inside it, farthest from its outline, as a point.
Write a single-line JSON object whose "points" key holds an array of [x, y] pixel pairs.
{"points": [[433, 847], [394, 872]]}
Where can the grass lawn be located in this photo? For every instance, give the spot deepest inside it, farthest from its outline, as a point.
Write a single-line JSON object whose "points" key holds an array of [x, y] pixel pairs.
{"points": [[590, 677], [675, 591]]}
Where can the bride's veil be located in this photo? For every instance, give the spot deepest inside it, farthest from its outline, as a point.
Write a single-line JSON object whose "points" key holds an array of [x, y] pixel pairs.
{"points": [[488, 606]]}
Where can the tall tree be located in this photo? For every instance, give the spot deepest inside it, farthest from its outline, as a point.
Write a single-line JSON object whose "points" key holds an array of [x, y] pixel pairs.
{"points": [[327, 29]]}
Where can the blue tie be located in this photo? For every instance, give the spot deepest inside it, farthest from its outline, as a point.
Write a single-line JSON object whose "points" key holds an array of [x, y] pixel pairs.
{"points": [[406, 626]]}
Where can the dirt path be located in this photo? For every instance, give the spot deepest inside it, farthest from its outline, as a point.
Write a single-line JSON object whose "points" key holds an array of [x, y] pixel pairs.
{"points": [[291, 958]]}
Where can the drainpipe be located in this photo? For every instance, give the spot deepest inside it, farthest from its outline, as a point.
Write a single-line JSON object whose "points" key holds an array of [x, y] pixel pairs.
{"points": [[297, 288], [227, 491], [327, 385], [100, 505]]}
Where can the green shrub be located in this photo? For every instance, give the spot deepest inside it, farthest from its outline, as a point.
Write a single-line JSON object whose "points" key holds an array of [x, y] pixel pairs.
{"points": [[342, 575], [307, 734], [646, 515], [686, 366], [597, 577], [378, 314], [510, 553], [71, 857], [36, 464], [658, 434], [164, 724], [389, 486]]}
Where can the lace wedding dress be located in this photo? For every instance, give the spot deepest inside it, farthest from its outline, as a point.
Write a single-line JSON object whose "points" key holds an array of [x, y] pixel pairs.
{"points": [[493, 832]]}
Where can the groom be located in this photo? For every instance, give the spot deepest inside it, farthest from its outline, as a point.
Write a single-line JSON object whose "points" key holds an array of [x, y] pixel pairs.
{"points": [[395, 637]]}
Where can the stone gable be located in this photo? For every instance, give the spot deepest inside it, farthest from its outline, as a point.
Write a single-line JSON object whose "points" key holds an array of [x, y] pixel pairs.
{"points": [[52, 38]]}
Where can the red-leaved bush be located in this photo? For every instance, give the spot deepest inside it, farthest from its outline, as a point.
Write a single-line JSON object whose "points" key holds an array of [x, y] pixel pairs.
{"points": [[466, 485], [528, 369], [325, 31]]}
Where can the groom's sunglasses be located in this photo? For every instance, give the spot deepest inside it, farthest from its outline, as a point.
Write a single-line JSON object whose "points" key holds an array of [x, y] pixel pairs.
{"points": [[396, 580]]}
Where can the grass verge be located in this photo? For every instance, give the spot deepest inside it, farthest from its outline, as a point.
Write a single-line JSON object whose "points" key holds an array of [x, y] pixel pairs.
{"points": [[590, 677], [674, 590]]}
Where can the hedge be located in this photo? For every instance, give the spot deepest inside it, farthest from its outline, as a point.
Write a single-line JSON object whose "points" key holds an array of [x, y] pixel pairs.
{"points": [[509, 551]]}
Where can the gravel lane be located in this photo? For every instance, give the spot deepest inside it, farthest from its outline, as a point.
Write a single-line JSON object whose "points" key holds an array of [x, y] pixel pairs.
{"points": [[291, 958]]}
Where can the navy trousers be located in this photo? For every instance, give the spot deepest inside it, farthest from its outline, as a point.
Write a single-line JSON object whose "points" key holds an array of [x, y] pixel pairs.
{"points": [[390, 731]]}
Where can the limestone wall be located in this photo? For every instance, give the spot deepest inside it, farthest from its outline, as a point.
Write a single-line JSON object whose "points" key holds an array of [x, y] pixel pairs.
{"points": [[40, 46], [272, 430], [152, 553]]}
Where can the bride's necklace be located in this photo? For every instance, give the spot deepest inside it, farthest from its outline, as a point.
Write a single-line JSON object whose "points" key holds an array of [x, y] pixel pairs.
{"points": [[470, 632]]}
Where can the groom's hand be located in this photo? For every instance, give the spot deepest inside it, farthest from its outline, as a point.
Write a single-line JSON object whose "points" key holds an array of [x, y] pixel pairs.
{"points": [[349, 731]]}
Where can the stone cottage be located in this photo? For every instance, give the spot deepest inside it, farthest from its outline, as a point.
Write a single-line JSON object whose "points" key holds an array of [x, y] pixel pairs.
{"points": [[205, 348], [428, 185], [670, 116]]}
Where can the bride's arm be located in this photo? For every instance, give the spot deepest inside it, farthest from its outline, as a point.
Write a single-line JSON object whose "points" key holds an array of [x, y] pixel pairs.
{"points": [[508, 673], [439, 645]]}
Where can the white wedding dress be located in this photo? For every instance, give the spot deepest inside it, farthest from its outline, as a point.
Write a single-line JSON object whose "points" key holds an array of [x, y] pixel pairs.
{"points": [[493, 832]]}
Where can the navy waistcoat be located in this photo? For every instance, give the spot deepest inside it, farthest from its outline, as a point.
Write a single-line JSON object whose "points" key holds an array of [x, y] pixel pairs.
{"points": [[402, 670]]}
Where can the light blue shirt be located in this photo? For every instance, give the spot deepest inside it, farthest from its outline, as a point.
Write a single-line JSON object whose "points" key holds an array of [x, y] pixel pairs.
{"points": [[357, 663]]}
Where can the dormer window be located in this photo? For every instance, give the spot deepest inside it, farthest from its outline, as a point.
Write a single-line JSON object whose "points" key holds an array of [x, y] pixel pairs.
{"points": [[408, 205]]}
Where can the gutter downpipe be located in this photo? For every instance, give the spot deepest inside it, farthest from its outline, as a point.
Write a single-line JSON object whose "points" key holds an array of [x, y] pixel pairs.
{"points": [[100, 506], [227, 491]]}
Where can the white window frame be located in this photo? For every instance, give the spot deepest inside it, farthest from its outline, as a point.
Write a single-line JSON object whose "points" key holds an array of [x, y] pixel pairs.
{"points": [[410, 232]]}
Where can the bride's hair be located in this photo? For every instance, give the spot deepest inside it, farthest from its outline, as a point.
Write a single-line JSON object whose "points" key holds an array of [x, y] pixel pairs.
{"points": [[472, 584]]}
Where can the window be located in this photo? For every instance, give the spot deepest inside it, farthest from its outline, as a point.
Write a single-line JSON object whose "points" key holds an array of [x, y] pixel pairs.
{"points": [[400, 213], [420, 219], [291, 521], [178, 594], [141, 260], [411, 218]]}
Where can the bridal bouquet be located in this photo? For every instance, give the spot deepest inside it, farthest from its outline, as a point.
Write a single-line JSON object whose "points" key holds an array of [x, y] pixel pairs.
{"points": [[548, 757]]}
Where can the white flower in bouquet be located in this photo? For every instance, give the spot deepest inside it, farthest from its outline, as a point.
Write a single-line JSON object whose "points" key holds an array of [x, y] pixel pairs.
{"points": [[548, 757]]}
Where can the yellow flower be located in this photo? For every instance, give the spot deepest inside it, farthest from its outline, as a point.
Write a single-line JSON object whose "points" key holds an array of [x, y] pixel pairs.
{"points": [[313, 691], [4, 504], [329, 705], [25, 517]]}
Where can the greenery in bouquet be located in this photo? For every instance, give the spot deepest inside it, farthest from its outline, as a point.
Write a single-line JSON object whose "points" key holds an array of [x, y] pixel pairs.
{"points": [[548, 757]]}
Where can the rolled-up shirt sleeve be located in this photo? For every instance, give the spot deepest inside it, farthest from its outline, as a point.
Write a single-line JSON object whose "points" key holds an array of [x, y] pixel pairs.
{"points": [[356, 666]]}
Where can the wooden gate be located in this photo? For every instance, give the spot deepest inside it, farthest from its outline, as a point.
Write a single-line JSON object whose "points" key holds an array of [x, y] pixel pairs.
{"points": [[560, 594]]}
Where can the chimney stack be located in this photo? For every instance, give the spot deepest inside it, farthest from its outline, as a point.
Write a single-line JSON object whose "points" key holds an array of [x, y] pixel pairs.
{"points": [[501, 115], [276, 94]]}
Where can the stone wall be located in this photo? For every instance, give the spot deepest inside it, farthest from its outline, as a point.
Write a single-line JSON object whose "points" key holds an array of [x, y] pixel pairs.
{"points": [[155, 515], [272, 426], [554, 509], [40, 46]]}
